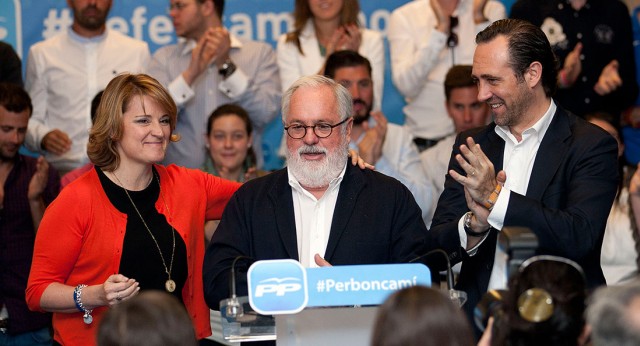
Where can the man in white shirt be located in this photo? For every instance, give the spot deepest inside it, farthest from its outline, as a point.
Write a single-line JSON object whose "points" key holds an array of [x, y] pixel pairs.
{"points": [[536, 166], [320, 210], [209, 67], [466, 111], [386, 146], [65, 72], [426, 38]]}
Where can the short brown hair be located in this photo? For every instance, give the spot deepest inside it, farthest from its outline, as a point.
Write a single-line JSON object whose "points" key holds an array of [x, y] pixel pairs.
{"points": [[458, 76], [108, 126]]}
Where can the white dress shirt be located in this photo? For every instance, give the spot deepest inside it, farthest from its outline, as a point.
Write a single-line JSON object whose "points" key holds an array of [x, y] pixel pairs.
{"points": [[64, 74], [519, 158], [313, 218], [420, 60]]}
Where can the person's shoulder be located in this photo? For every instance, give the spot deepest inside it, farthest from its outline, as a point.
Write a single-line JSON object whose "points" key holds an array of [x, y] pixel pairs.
{"points": [[372, 178], [412, 7], [49, 43], [126, 40]]}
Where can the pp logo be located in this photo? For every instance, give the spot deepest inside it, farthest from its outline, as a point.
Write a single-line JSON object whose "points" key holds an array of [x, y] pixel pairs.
{"points": [[277, 287]]}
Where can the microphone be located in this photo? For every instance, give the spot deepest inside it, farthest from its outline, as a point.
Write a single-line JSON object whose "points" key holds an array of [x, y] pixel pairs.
{"points": [[456, 296], [232, 306]]}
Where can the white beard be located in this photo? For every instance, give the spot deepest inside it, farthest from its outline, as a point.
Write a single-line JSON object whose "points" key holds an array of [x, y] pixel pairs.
{"points": [[316, 174]]}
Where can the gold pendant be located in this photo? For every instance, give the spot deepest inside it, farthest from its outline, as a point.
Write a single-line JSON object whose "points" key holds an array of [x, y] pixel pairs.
{"points": [[170, 286]]}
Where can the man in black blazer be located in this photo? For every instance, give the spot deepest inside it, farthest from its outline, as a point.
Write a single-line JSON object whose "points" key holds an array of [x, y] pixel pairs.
{"points": [[319, 210], [536, 166]]}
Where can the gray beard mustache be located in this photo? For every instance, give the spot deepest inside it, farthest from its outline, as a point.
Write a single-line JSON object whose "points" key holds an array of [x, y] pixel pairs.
{"points": [[316, 174]]}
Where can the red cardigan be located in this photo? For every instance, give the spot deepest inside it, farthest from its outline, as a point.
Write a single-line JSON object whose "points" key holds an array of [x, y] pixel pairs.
{"points": [[80, 238]]}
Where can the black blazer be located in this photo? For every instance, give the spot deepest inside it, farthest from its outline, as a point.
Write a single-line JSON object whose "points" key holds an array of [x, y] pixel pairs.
{"points": [[569, 196], [376, 220]]}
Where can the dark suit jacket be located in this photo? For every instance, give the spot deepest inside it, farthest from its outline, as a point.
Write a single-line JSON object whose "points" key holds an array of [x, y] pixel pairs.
{"points": [[376, 220], [570, 193]]}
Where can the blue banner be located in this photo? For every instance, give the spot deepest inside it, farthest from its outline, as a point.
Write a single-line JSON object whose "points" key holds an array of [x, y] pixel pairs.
{"points": [[285, 287]]}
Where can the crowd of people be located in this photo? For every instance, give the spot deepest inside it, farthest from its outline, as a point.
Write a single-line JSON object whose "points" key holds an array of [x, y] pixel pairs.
{"points": [[148, 174]]}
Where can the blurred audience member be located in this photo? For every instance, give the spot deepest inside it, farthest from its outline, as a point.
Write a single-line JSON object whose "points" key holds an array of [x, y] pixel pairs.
{"points": [[229, 139], [209, 67], [420, 316], [387, 146], [10, 65], [153, 318], [321, 28], [74, 174], [613, 315], [426, 38], [619, 254], [466, 111], [594, 43], [544, 305], [66, 71], [27, 186]]}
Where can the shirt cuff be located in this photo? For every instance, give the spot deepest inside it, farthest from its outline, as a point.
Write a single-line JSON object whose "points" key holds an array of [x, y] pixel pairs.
{"points": [[235, 85], [499, 211], [180, 91], [463, 238]]}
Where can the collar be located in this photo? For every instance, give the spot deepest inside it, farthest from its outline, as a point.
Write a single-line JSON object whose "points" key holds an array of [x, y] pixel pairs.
{"points": [[540, 127], [187, 45], [84, 40]]}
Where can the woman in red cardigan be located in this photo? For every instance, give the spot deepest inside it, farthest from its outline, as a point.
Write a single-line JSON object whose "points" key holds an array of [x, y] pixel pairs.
{"points": [[129, 223]]}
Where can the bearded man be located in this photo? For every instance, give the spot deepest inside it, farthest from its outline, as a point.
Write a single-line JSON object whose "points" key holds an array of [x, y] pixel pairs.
{"points": [[66, 71], [318, 210]]}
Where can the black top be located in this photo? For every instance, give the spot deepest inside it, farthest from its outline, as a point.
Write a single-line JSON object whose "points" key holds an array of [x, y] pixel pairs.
{"points": [[140, 258]]}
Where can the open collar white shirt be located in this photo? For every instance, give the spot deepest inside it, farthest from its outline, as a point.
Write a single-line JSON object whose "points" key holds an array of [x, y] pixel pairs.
{"points": [[313, 218], [518, 161]]}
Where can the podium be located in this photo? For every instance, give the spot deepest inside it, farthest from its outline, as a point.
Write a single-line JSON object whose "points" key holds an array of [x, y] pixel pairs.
{"points": [[314, 306], [327, 326]]}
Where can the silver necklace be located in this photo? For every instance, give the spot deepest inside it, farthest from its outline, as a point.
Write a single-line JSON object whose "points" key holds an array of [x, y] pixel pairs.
{"points": [[169, 285]]}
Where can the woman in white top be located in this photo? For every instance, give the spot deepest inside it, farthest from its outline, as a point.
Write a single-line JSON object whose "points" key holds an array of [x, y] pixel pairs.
{"points": [[320, 28]]}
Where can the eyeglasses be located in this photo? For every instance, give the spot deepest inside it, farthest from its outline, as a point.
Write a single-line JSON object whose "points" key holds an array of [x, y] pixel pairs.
{"points": [[452, 40], [322, 130], [178, 6]]}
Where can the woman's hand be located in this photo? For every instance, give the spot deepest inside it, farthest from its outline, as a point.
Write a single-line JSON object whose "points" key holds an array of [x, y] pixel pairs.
{"points": [[118, 288], [357, 160]]}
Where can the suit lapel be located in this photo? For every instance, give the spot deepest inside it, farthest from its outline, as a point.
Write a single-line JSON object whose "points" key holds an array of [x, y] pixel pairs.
{"points": [[350, 188], [281, 197], [551, 153]]}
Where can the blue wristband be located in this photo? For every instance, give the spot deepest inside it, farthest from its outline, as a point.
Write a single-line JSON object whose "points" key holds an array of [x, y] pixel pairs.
{"points": [[75, 298]]}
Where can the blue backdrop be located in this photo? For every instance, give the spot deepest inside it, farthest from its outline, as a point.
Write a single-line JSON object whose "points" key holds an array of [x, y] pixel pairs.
{"points": [[25, 22]]}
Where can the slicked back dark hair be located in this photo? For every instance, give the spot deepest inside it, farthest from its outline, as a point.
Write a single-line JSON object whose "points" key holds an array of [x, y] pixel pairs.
{"points": [[527, 43]]}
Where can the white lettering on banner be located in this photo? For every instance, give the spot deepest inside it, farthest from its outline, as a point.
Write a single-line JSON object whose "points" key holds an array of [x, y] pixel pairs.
{"points": [[275, 20], [160, 29], [354, 285], [278, 289], [269, 25], [54, 23]]}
